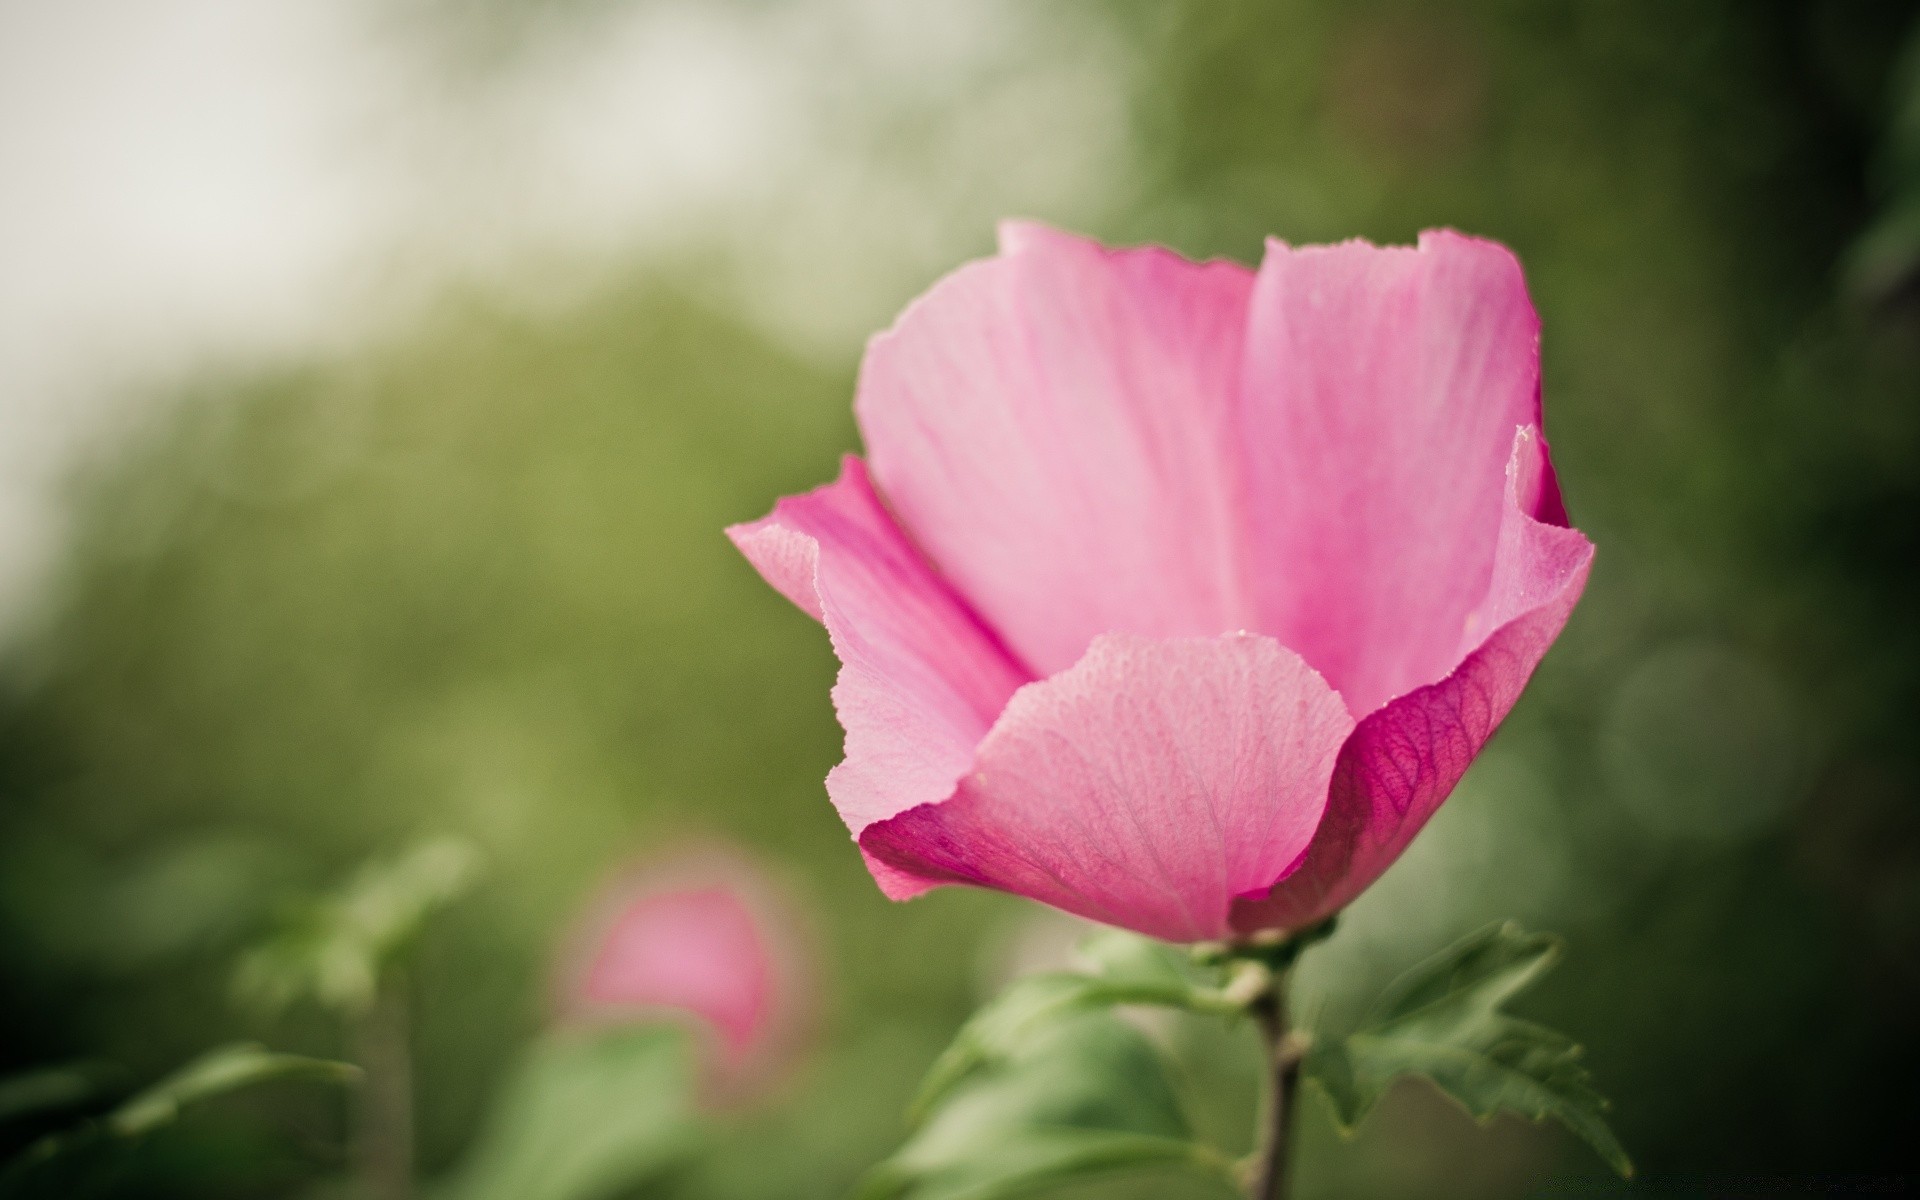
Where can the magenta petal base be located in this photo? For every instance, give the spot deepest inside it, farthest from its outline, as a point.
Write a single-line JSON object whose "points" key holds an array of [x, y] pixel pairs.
{"points": [[1177, 774]]}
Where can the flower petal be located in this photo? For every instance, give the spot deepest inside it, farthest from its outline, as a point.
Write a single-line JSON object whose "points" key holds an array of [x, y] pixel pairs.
{"points": [[1403, 760], [921, 679], [1382, 389], [1146, 786], [1051, 426]]}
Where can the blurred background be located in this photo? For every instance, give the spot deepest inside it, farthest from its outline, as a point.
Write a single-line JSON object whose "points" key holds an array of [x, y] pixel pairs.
{"points": [[376, 378]]}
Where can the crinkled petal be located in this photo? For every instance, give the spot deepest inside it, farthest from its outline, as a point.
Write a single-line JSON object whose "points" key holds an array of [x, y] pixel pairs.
{"points": [[921, 678], [1052, 427], [1381, 393], [1403, 760], [1146, 786]]}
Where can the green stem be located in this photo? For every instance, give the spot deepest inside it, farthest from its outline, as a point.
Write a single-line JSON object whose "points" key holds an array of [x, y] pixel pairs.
{"points": [[1259, 970], [384, 1134], [1267, 1179]]}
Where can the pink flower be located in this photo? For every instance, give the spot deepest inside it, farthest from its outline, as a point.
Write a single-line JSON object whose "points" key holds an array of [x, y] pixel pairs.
{"points": [[700, 938], [1174, 594]]}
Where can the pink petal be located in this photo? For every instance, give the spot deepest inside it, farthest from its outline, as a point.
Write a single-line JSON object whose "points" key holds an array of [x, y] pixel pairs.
{"points": [[921, 679], [1381, 393], [1403, 760], [1146, 786], [1052, 426]]}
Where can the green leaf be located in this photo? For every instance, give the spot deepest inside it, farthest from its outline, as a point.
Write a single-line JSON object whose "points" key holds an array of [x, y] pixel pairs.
{"points": [[1884, 260], [218, 1071], [49, 1089], [1442, 1020], [1081, 1094], [1130, 970], [1025, 1006], [333, 950], [584, 1116], [1122, 957], [36, 1170]]}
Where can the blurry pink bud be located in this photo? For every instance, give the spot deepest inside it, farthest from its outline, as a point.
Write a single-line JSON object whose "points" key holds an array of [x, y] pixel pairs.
{"points": [[702, 937]]}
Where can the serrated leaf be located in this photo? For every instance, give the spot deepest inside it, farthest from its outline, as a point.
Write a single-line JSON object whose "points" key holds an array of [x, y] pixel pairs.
{"points": [[1474, 976], [1442, 1020], [585, 1116], [218, 1071], [1078, 1095], [333, 950]]}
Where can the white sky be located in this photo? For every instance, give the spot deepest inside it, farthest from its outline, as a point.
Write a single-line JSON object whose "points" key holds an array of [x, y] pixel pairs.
{"points": [[184, 180]]}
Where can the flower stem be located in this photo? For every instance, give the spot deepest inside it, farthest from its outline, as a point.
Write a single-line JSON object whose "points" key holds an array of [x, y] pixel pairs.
{"points": [[1267, 1179], [1260, 968]]}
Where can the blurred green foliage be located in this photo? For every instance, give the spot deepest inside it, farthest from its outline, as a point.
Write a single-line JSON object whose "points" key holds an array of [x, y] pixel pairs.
{"points": [[469, 579], [335, 950], [90, 1156], [584, 1117]]}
